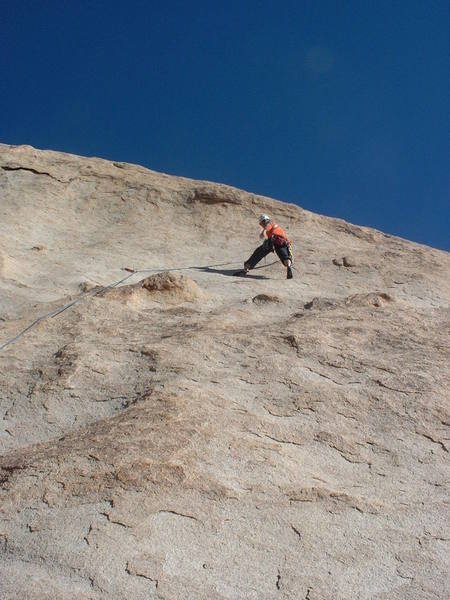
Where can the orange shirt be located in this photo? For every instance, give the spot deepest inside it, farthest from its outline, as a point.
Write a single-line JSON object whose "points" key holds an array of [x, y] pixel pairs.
{"points": [[274, 229]]}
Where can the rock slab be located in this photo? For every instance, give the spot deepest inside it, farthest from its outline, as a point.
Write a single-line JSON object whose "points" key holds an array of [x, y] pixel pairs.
{"points": [[179, 433]]}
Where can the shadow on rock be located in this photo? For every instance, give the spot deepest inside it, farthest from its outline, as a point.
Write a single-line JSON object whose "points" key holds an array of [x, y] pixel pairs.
{"points": [[230, 273]]}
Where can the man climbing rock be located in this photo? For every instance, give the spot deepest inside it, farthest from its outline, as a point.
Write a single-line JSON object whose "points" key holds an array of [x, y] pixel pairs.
{"points": [[275, 240]]}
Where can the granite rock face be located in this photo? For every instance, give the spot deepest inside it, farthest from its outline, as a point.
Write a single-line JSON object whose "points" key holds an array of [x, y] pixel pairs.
{"points": [[179, 433]]}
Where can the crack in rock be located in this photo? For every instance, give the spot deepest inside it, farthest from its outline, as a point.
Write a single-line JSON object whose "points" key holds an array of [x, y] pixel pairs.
{"points": [[406, 392], [173, 512], [331, 379], [139, 571], [318, 494], [404, 576], [284, 416], [214, 196], [433, 439], [110, 520], [280, 441], [35, 171], [86, 537], [136, 574]]}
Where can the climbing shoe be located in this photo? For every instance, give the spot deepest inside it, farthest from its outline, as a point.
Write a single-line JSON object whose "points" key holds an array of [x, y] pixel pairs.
{"points": [[290, 274]]}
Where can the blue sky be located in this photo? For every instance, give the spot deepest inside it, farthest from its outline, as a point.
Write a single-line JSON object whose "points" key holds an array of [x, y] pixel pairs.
{"points": [[340, 107]]}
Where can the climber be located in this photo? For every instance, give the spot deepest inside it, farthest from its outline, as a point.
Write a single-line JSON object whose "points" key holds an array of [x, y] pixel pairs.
{"points": [[275, 239]]}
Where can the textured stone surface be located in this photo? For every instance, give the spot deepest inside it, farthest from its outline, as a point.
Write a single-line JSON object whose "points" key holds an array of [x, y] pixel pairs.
{"points": [[187, 434]]}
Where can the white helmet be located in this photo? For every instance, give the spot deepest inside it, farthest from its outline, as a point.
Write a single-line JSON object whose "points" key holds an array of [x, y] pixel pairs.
{"points": [[263, 219]]}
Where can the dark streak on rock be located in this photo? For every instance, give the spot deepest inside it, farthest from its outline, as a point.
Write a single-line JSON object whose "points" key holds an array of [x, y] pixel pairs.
{"points": [[86, 537], [8, 471], [331, 379], [207, 196], [8, 168], [383, 385], [404, 576], [173, 512], [435, 441], [104, 514], [136, 574], [282, 441]]}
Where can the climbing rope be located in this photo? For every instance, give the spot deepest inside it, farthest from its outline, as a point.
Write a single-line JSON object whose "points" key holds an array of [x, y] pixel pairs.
{"points": [[97, 291]]}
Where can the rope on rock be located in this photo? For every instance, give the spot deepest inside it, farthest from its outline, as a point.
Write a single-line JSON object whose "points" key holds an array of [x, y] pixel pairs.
{"points": [[97, 291]]}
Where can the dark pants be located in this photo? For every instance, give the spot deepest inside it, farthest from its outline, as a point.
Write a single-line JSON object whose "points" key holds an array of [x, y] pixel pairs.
{"points": [[265, 249]]}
